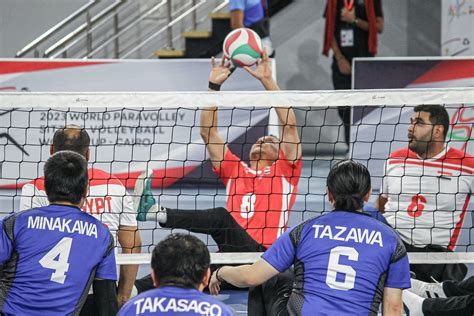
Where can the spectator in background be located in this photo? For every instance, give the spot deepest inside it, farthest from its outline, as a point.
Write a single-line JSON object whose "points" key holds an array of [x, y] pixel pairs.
{"points": [[252, 14], [351, 31], [180, 271]]}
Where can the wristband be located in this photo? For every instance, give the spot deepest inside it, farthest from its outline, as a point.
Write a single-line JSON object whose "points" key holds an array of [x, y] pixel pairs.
{"points": [[214, 86], [217, 275]]}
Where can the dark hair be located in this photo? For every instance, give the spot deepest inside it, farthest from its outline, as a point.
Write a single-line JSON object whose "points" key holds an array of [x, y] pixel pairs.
{"points": [[72, 138], [65, 177], [438, 115], [180, 259], [348, 181]]}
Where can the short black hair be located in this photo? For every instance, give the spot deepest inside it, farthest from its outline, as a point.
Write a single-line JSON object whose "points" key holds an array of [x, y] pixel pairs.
{"points": [[349, 181], [438, 115], [72, 138], [65, 177], [180, 259]]}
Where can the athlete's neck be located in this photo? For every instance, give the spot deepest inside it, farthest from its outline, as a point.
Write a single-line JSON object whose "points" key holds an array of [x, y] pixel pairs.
{"points": [[433, 151], [67, 203]]}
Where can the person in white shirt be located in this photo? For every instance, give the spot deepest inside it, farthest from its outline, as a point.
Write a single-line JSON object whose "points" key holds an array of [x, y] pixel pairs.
{"points": [[426, 189]]}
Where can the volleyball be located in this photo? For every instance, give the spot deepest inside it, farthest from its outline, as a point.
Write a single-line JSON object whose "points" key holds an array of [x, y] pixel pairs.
{"points": [[243, 47]]}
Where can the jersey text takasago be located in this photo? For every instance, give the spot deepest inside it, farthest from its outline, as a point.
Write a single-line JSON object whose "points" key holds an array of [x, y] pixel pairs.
{"points": [[169, 300]]}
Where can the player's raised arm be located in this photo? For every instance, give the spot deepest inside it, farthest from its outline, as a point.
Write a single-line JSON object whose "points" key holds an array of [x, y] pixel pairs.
{"points": [[289, 134], [214, 142]]}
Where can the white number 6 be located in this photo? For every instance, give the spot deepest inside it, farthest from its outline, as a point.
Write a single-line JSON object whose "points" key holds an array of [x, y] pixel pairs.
{"points": [[334, 267]]}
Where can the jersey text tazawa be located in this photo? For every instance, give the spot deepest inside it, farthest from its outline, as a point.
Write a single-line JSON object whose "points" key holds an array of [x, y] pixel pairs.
{"points": [[342, 262]]}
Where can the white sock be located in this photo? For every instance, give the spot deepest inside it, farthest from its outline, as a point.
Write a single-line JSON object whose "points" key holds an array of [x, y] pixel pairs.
{"points": [[134, 291], [413, 302], [157, 213]]}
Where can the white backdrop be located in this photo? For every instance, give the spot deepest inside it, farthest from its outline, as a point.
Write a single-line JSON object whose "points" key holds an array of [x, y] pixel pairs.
{"points": [[457, 27]]}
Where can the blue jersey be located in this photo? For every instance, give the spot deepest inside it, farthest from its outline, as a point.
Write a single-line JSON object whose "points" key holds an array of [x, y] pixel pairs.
{"points": [[51, 255], [253, 10], [342, 261], [170, 300]]}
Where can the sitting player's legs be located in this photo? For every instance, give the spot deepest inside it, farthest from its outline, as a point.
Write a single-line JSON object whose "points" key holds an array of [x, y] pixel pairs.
{"points": [[217, 222], [446, 298]]}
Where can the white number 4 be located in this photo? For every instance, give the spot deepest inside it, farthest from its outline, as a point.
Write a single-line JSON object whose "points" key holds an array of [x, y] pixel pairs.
{"points": [[57, 259], [334, 267]]}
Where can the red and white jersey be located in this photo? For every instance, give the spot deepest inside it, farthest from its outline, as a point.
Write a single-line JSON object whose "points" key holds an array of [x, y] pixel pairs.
{"points": [[107, 200], [428, 198], [260, 200]]}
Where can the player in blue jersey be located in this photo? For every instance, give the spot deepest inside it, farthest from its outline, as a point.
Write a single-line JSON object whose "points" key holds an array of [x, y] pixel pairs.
{"points": [[345, 262], [51, 255], [180, 270]]}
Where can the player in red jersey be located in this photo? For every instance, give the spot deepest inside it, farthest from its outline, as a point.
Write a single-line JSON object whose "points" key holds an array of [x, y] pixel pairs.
{"points": [[260, 194], [426, 191]]}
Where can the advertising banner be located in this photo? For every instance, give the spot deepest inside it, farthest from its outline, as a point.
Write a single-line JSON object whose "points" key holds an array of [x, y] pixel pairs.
{"points": [[457, 25], [124, 141]]}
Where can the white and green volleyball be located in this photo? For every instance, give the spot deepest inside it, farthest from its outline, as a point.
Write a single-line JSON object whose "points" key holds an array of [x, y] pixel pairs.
{"points": [[243, 47]]}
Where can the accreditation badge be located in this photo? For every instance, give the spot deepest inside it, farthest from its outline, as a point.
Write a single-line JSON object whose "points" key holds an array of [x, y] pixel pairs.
{"points": [[347, 37]]}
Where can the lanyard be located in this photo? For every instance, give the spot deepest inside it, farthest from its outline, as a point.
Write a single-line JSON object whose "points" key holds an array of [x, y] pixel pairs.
{"points": [[348, 4]]}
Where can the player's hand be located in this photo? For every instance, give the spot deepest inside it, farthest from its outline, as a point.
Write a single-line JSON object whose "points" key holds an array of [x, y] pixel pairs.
{"points": [[219, 73], [263, 69], [348, 16], [122, 299], [214, 284], [344, 66]]}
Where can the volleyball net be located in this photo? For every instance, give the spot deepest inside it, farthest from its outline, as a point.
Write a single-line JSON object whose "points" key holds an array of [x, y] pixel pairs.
{"points": [[133, 132]]}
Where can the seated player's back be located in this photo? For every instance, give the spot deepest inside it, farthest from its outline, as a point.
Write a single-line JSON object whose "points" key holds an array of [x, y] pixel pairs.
{"points": [[107, 199], [58, 251], [170, 300], [343, 261]]}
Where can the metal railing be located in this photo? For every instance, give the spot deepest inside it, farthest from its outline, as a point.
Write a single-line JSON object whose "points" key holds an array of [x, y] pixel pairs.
{"points": [[111, 28], [33, 45], [168, 28], [130, 26], [84, 28]]}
